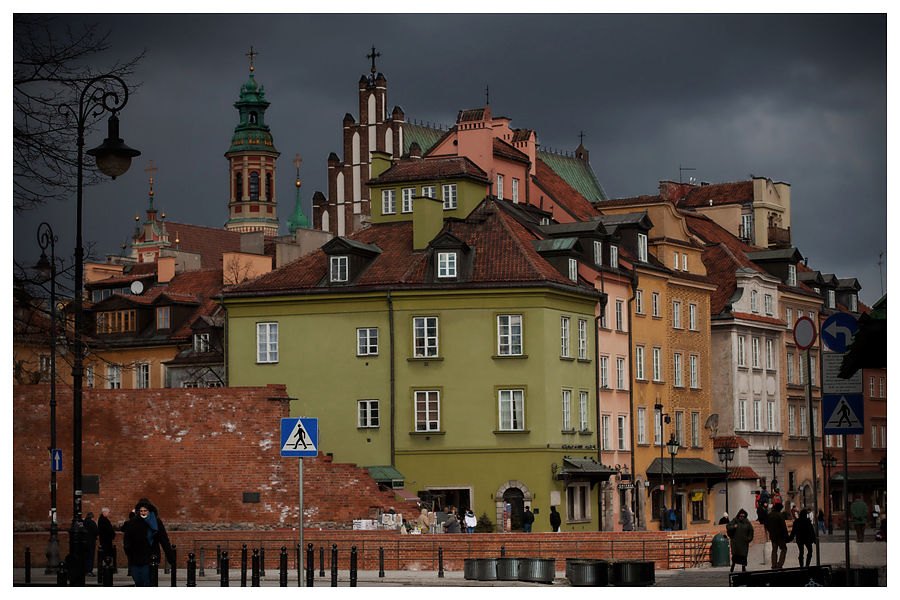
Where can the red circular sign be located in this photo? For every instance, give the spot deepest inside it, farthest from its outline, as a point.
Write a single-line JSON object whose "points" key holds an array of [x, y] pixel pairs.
{"points": [[804, 333]]}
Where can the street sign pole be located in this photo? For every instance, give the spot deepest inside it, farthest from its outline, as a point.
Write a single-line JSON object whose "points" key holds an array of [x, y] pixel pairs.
{"points": [[812, 446], [302, 552], [846, 512]]}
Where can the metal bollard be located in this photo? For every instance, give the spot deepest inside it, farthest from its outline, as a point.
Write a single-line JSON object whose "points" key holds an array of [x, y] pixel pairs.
{"points": [[381, 561], [254, 575], [282, 567], [106, 572], [502, 550], [154, 571], [440, 562], [262, 561], [27, 565], [244, 565], [165, 564], [115, 556], [218, 559], [353, 566], [174, 568], [202, 571], [224, 565], [191, 571], [299, 569], [310, 568], [321, 561], [334, 560], [62, 578]]}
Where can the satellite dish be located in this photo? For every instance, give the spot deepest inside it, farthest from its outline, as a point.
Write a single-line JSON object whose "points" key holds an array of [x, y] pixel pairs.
{"points": [[136, 288]]}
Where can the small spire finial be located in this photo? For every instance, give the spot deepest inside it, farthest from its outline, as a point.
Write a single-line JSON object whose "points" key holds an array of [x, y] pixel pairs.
{"points": [[251, 54], [581, 138], [487, 95], [297, 162], [373, 56]]}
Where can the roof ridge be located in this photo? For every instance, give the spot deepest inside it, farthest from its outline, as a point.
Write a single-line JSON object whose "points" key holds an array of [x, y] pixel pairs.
{"points": [[517, 240]]}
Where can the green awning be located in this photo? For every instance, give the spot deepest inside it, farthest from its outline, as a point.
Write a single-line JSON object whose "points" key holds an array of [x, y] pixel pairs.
{"points": [[386, 474]]}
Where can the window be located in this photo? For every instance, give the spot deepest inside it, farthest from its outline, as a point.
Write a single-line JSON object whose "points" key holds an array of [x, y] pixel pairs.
{"points": [[582, 339], [677, 370], [388, 202], [614, 257], [792, 429], [676, 314], [871, 387], [367, 341], [695, 429], [742, 359], [89, 382], [757, 415], [639, 362], [792, 275], [742, 415], [604, 372], [753, 306], [44, 367], [238, 187], [201, 342], [509, 335], [813, 368], [679, 427], [803, 421], [675, 260], [142, 376], [267, 342], [770, 416], [564, 337], [639, 302], [883, 438], [339, 270], [567, 410], [857, 441], [620, 373], [828, 441], [695, 376], [604, 428], [812, 316], [770, 356], [830, 298], [114, 376], [449, 196], [839, 441], [515, 190], [620, 430], [657, 375], [500, 186], [789, 318], [698, 506], [598, 253], [692, 317], [684, 262], [254, 186], [407, 199], [746, 226], [657, 427], [874, 438], [642, 247], [767, 300], [642, 417], [603, 323], [654, 301], [755, 352], [573, 270], [425, 336], [163, 320], [854, 303], [880, 386], [512, 410], [429, 191], [790, 368], [368, 413], [620, 315], [815, 415], [268, 186], [582, 411], [428, 410], [446, 264], [578, 502], [118, 321]]}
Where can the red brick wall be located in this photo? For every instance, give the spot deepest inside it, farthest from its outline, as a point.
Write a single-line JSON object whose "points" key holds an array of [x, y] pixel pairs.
{"points": [[192, 452]]}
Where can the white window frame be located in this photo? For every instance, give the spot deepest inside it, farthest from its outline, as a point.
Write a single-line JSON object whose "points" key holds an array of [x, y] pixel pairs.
{"points": [[389, 202], [770, 415], [367, 341], [679, 427], [676, 314], [582, 339], [657, 427], [446, 265], [792, 428], [564, 334], [604, 372], [742, 414], [89, 376], [642, 247], [598, 253], [449, 196], [692, 317], [642, 417], [142, 376], [694, 372], [654, 303], [872, 386], [677, 370], [511, 409], [201, 342], [684, 262], [857, 439], [695, 429], [754, 352], [675, 261], [754, 308], [620, 315], [515, 190], [874, 436], [604, 430], [620, 373], [582, 410], [367, 414], [578, 502], [742, 356], [621, 434], [339, 269], [770, 355], [639, 363], [500, 186], [614, 257], [567, 410], [429, 191], [790, 368], [789, 317], [424, 344], [880, 386], [657, 366], [407, 195], [428, 405], [639, 302], [815, 414], [830, 298], [854, 303], [114, 377], [757, 415], [573, 270], [267, 342], [792, 275], [803, 427], [509, 335], [767, 301]]}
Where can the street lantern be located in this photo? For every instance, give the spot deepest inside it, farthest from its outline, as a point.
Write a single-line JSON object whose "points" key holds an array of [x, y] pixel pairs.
{"points": [[774, 458], [672, 447], [113, 156], [882, 464]]}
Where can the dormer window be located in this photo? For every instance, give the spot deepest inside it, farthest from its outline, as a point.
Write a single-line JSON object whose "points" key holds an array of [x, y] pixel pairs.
{"points": [[201, 342], [854, 303], [792, 275], [753, 302], [598, 253], [446, 264], [573, 270], [642, 247], [614, 257], [817, 290], [338, 269], [163, 318], [830, 298]]}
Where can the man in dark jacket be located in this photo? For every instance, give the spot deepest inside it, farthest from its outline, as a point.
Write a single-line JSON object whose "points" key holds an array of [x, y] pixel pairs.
{"points": [[778, 534], [805, 534], [555, 519], [144, 537], [107, 533], [90, 536], [527, 520]]}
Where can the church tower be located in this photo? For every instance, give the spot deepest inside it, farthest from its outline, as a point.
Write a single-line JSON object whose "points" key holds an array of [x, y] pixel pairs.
{"points": [[251, 164]]}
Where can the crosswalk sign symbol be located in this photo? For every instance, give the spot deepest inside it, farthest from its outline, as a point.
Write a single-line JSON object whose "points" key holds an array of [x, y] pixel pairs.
{"points": [[299, 437], [844, 412]]}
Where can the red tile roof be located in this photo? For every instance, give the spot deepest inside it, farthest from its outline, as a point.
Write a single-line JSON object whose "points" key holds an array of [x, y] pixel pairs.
{"points": [[738, 192], [758, 318], [210, 243], [412, 170], [505, 150], [474, 114], [563, 194], [742, 473], [730, 441]]}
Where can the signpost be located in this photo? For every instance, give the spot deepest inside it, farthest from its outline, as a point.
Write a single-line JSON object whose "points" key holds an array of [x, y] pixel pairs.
{"points": [[300, 437], [56, 460], [838, 331], [805, 337]]}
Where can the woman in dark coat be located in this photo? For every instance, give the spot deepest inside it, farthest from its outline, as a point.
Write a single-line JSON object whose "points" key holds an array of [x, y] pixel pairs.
{"points": [[740, 530], [144, 536], [804, 533]]}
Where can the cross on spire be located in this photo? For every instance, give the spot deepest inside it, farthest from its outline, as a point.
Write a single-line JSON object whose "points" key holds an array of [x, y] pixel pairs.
{"points": [[373, 56], [297, 162], [581, 138], [151, 168], [251, 54]]}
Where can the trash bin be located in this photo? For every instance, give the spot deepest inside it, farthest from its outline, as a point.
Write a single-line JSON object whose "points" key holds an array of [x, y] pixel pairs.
{"points": [[507, 568], [588, 572], [718, 552], [470, 568], [633, 572], [537, 570], [487, 569]]}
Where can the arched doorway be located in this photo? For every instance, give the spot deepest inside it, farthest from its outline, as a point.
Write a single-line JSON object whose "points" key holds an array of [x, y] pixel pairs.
{"points": [[518, 496], [516, 500]]}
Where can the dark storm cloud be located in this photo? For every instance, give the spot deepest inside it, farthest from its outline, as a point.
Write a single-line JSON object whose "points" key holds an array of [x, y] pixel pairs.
{"points": [[797, 98]]}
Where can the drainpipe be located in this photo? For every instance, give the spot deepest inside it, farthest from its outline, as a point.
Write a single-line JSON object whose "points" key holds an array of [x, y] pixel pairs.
{"points": [[391, 329], [634, 490], [603, 302]]}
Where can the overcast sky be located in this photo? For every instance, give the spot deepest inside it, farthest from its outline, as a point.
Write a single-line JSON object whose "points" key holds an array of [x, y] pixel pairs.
{"points": [[797, 98]]}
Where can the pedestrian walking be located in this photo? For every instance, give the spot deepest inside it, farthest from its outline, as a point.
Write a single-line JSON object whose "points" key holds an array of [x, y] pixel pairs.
{"points": [[724, 519], [107, 533], [859, 511], [627, 519], [471, 521], [740, 532], [821, 519], [527, 520], [90, 535], [145, 536], [762, 504], [804, 534], [555, 519], [778, 534]]}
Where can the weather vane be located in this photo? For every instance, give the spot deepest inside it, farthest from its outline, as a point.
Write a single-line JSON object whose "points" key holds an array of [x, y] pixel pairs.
{"points": [[251, 54]]}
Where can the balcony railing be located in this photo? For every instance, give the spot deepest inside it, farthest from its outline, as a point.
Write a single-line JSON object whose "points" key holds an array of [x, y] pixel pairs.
{"points": [[779, 236]]}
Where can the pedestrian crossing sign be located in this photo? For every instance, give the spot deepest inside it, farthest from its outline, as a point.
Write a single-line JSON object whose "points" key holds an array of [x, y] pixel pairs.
{"points": [[844, 414], [299, 437]]}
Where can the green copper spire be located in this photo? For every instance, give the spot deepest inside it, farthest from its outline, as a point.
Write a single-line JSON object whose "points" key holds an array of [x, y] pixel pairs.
{"points": [[297, 220], [252, 133]]}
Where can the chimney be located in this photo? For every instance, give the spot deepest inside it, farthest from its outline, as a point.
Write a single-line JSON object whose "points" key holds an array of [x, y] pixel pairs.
{"points": [[165, 269]]}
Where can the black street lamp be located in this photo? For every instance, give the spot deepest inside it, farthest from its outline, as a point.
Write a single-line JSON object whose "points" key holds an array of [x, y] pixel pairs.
{"points": [[113, 159], [672, 447], [882, 464], [726, 454], [774, 458], [662, 474], [829, 462], [46, 271]]}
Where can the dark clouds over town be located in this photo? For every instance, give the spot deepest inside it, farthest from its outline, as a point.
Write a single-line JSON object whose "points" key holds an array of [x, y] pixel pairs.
{"points": [[796, 98]]}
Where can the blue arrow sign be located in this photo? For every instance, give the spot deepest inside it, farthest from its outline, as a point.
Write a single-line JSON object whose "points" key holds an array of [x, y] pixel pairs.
{"points": [[299, 437], [838, 330], [56, 460], [843, 414]]}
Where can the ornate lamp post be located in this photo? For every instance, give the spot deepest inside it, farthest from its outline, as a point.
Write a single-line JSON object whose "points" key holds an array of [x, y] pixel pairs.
{"points": [[672, 447], [662, 474], [829, 462], [726, 455], [774, 457], [113, 159], [46, 271]]}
